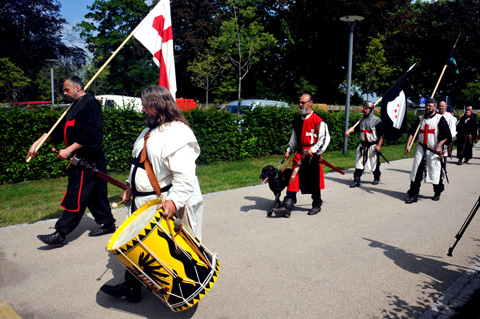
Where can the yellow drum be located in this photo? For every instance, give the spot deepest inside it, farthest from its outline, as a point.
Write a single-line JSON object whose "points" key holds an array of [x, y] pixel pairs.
{"points": [[180, 271]]}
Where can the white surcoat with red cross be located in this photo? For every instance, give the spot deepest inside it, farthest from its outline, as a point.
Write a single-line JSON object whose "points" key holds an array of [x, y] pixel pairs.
{"points": [[427, 141]]}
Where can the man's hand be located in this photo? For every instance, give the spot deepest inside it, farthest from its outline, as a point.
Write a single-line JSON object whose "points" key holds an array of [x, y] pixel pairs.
{"points": [[64, 154], [127, 194], [169, 208], [378, 148], [32, 152], [407, 150], [308, 153], [286, 155]]}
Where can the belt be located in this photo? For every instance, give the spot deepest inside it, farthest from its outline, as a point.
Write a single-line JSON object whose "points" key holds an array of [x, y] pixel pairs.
{"points": [[137, 193]]}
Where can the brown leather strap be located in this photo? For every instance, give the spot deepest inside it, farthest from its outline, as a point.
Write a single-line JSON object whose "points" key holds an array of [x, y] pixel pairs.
{"points": [[288, 164], [148, 166]]}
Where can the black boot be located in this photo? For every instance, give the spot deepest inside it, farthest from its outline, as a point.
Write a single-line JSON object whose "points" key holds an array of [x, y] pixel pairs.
{"points": [[376, 180], [55, 239], [316, 207], [411, 199], [105, 229], [286, 208], [123, 290], [356, 182]]}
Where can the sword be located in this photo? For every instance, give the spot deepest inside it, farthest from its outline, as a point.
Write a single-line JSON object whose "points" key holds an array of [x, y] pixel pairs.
{"points": [[321, 160], [444, 170], [381, 154], [75, 161]]}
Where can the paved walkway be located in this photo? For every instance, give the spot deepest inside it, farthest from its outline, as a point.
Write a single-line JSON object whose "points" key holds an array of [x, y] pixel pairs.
{"points": [[367, 254]]}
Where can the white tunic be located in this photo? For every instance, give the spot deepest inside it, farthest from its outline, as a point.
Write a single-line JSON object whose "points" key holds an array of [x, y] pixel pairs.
{"points": [[172, 149], [428, 135], [452, 123]]}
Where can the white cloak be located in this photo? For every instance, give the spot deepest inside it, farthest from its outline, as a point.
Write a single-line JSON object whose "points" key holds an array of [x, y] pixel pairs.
{"points": [[172, 148], [433, 163]]}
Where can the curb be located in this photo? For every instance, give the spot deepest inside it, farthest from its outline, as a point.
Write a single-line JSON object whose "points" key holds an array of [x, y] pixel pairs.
{"points": [[456, 296]]}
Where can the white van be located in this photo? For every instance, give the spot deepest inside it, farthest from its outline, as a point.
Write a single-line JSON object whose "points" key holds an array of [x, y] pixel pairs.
{"points": [[120, 101]]}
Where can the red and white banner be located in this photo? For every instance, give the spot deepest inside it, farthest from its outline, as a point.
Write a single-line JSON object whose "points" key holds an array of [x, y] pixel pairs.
{"points": [[155, 33]]}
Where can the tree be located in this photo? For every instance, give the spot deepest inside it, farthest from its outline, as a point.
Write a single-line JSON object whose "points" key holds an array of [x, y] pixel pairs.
{"points": [[12, 79], [193, 23], [207, 70], [438, 25], [107, 25], [373, 70], [472, 92], [242, 38], [31, 32]]}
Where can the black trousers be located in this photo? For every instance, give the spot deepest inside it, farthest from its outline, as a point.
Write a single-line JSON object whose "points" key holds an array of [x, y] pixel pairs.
{"points": [[415, 185], [94, 196]]}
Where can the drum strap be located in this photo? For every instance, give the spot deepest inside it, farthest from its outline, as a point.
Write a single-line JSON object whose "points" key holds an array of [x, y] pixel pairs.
{"points": [[148, 166]]}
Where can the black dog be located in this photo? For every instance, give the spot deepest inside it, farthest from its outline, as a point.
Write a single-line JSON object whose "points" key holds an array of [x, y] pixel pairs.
{"points": [[277, 181]]}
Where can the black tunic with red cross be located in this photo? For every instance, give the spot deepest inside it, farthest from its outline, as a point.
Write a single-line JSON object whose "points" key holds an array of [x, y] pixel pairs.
{"points": [[83, 125]]}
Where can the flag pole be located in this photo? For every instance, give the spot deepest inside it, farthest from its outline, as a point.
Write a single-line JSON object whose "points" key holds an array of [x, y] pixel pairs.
{"points": [[86, 86], [433, 94]]}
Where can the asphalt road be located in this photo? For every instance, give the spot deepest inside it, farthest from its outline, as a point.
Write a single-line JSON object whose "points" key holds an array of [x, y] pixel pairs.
{"points": [[367, 254]]}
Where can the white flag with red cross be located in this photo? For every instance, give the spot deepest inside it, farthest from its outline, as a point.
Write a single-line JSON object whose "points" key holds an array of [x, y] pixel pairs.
{"points": [[155, 33]]}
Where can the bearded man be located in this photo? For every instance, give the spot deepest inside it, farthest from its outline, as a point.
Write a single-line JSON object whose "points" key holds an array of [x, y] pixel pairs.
{"points": [[164, 157], [433, 134], [309, 139]]}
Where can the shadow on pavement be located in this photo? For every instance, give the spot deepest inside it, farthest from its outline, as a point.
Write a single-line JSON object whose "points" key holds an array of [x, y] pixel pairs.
{"points": [[150, 306], [417, 264]]}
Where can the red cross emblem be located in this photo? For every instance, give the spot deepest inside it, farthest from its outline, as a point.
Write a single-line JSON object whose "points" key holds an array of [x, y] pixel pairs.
{"points": [[425, 133], [365, 131], [166, 35]]}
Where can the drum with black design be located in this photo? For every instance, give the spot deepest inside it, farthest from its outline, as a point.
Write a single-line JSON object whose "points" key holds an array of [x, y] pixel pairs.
{"points": [[180, 271]]}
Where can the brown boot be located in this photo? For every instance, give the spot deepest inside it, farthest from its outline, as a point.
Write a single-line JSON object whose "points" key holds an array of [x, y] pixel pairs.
{"points": [[286, 208]]}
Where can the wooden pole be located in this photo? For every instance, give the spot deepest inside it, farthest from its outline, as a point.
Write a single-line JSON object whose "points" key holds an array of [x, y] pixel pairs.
{"points": [[350, 130], [433, 94]]}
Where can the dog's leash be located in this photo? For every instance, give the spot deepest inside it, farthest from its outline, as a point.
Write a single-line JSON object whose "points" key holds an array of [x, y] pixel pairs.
{"points": [[288, 164]]}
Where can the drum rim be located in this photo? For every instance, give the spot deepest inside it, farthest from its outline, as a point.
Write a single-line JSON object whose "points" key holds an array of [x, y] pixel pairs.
{"points": [[127, 222]]}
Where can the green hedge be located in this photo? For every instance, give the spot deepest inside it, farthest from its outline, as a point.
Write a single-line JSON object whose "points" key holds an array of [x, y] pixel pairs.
{"points": [[222, 137]]}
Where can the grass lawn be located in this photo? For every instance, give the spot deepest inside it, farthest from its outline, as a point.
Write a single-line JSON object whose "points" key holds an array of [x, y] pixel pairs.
{"points": [[32, 201]]}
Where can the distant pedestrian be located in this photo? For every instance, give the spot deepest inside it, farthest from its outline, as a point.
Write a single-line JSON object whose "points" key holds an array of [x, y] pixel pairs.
{"points": [[466, 136]]}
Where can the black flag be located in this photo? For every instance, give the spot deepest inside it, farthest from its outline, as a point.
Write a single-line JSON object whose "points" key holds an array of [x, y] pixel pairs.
{"points": [[394, 109]]}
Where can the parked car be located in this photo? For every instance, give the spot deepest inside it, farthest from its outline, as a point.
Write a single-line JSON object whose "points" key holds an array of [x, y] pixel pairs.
{"points": [[251, 104]]}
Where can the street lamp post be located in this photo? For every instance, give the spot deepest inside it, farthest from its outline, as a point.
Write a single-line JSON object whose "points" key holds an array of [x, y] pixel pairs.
{"points": [[51, 79], [351, 22]]}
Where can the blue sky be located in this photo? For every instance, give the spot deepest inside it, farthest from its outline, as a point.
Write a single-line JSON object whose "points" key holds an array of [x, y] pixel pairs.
{"points": [[74, 11]]}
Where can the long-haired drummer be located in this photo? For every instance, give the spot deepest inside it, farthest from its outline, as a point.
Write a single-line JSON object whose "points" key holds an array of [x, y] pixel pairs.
{"points": [[166, 150]]}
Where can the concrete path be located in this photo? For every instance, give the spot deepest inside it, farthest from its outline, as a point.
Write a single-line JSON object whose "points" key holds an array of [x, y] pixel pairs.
{"points": [[367, 254]]}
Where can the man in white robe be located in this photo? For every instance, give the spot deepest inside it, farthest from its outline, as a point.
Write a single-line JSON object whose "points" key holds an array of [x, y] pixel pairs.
{"points": [[427, 165], [172, 149]]}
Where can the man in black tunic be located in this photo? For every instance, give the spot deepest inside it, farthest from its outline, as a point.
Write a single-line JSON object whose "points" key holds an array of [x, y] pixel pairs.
{"points": [[466, 136], [82, 133]]}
